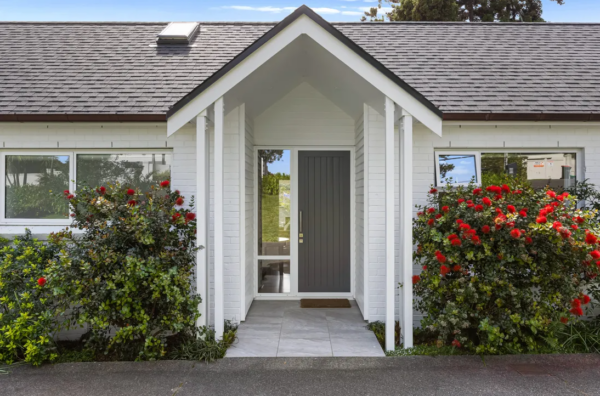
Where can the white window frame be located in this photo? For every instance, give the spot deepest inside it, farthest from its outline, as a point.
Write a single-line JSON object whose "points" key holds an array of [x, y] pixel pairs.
{"points": [[72, 177], [579, 160], [437, 153]]}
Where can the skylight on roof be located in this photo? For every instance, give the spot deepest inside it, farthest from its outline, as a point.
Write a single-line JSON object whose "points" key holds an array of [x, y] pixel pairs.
{"points": [[178, 33]]}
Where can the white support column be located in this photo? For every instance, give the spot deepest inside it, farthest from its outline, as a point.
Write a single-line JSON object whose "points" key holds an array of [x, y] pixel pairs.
{"points": [[390, 282], [202, 215], [219, 253], [406, 231], [242, 157]]}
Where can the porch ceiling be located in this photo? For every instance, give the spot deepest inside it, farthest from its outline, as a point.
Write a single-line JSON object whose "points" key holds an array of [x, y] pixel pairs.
{"points": [[304, 60]]}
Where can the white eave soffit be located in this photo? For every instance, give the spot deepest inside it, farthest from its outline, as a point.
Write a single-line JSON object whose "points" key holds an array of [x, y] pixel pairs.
{"points": [[305, 25]]}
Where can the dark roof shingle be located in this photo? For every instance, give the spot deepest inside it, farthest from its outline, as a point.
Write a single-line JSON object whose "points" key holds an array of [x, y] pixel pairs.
{"points": [[107, 68]]}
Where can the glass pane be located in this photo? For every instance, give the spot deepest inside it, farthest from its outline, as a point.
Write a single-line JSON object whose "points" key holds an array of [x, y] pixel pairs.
{"points": [[273, 276], [34, 186], [493, 168], [557, 170], [458, 168], [274, 200], [131, 170]]}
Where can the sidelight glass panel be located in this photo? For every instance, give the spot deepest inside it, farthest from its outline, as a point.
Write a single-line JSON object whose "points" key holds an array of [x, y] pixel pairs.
{"points": [[34, 186], [274, 276], [274, 199], [136, 170]]}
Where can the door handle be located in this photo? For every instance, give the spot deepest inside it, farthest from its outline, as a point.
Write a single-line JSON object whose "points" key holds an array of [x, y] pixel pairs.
{"points": [[301, 227]]}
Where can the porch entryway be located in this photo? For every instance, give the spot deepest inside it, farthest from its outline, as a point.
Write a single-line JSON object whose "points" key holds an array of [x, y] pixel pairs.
{"points": [[283, 329]]}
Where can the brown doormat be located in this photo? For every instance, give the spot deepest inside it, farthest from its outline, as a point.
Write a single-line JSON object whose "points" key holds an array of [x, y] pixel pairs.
{"points": [[324, 303]]}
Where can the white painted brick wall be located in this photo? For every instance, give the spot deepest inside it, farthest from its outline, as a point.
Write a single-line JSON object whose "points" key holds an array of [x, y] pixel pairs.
{"points": [[249, 213]]}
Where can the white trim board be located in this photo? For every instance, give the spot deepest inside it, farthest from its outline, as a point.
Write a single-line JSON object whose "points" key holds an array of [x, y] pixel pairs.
{"points": [[304, 25]]}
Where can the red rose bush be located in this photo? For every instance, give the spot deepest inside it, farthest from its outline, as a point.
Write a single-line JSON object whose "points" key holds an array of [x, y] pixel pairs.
{"points": [[503, 266]]}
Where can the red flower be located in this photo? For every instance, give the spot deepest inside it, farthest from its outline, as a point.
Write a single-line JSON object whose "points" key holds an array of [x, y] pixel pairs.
{"points": [[528, 240], [551, 194], [577, 311], [165, 183], [586, 299], [476, 240], [576, 303], [445, 209], [470, 205], [176, 216], [595, 254], [179, 201], [487, 201], [432, 191], [541, 220], [505, 188], [420, 214], [456, 242], [510, 224], [41, 281], [497, 197], [523, 213], [494, 189], [591, 239], [556, 225], [131, 191], [565, 233], [424, 268], [66, 192], [438, 216], [515, 234], [477, 191], [485, 229], [498, 226], [440, 257], [469, 201], [452, 236], [464, 226], [456, 343], [70, 196], [564, 320], [517, 192], [456, 268], [416, 279], [579, 219], [430, 210], [444, 270], [574, 226], [131, 202], [479, 208], [190, 216], [459, 221], [460, 200], [430, 222], [511, 209]]}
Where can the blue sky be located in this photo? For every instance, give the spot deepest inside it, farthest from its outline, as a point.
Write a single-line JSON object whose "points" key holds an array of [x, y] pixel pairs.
{"points": [[229, 10]]}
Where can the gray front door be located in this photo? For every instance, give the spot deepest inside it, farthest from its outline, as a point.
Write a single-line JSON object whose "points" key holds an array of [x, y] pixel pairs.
{"points": [[324, 221]]}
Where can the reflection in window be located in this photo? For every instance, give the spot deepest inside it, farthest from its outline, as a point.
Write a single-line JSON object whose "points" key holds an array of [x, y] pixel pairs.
{"points": [[557, 170], [457, 168], [131, 170], [274, 200], [34, 186], [274, 276]]}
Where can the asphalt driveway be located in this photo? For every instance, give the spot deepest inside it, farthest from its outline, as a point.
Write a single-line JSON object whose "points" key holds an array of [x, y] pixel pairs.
{"points": [[460, 375]]}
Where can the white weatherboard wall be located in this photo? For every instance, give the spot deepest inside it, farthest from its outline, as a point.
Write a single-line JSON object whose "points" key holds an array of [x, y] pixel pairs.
{"points": [[359, 289], [304, 117]]}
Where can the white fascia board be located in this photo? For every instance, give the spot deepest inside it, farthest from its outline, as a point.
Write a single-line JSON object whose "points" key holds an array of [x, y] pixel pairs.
{"points": [[305, 25]]}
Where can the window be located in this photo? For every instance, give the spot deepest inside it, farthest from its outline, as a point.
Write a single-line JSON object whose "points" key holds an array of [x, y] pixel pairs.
{"points": [[34, 181], [457, 168], [557, 169]]}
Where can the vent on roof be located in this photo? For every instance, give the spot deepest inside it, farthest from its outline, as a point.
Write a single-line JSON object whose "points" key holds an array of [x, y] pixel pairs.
{"points": [[178, 33]]}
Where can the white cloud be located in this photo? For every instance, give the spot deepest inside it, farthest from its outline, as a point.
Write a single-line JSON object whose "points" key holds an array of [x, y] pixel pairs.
{"points": [[324, 10], [353, 13], [261, 9]]}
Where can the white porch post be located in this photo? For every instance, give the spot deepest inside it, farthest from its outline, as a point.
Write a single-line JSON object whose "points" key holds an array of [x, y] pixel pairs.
{"points": [[390, 282], [202, 215], [219, 253], [406, 231]]}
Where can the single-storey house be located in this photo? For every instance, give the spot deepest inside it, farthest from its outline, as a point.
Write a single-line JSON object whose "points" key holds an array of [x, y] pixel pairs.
{"points": [[306, 144]]}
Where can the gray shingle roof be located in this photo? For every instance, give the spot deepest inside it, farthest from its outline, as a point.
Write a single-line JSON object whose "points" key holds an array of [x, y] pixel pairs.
{"points": [[107, 68]]}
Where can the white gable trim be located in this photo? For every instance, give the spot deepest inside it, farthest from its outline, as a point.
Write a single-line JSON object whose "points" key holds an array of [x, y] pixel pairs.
{"points": [[304, 25]]}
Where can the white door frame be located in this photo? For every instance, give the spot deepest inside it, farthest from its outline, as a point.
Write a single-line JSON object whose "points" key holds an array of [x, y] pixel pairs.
{"points": [[294, 294]]}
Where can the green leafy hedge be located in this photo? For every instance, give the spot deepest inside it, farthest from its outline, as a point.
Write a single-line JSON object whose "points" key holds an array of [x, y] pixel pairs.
{"points": [[504, 268]]}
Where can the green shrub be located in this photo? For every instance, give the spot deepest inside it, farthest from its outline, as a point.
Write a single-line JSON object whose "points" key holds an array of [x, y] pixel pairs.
{"points": [[26, 314], [502, 266], [128, 275], [203, 345]]}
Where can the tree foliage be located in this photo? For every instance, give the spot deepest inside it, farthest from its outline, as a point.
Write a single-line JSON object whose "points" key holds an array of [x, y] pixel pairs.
{"points": [[459, 10]]}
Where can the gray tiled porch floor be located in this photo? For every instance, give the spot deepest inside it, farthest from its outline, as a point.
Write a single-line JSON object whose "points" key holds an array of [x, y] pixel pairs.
{"points": [[283, 329]]}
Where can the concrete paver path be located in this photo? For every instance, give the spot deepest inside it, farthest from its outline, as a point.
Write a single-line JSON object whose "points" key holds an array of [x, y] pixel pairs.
{"points": [[448, 375]]}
